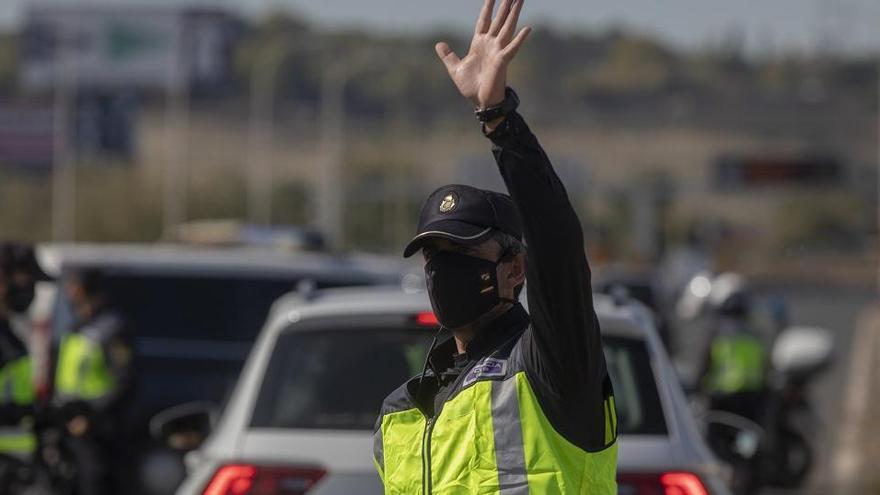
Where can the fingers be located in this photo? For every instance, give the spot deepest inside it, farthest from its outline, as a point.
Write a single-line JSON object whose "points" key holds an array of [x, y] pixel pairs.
{"points": [[509, 28], [485, 19], [511, 50], [449, 58], [500, 17]]}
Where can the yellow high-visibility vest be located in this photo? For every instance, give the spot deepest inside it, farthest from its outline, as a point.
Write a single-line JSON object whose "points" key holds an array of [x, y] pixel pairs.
{"points": [[16, 387], [491, 438], [738, 364], [82, 371]]}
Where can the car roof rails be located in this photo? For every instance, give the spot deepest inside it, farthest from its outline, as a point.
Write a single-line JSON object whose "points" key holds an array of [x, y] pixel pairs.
{"points": [[619, 294], [307, 289]]}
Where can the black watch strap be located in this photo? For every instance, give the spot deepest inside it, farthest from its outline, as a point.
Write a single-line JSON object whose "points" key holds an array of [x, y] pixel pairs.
{"points": [[510, 103]]}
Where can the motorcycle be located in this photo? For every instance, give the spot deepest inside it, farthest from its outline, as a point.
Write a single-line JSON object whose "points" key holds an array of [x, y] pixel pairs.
{"points": [[799, 355], [774, 449]]}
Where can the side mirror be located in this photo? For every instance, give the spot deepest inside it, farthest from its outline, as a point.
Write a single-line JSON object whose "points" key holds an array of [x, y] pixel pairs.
{"points": [[184, 427], [802, 351], [732, 436]]}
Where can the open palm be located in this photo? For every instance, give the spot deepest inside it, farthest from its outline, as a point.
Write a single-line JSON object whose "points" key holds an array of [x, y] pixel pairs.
{"points": [[481, 75]]}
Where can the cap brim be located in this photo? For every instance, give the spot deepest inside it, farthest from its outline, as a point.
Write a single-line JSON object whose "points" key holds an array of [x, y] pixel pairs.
{"points": [[458, 232]]}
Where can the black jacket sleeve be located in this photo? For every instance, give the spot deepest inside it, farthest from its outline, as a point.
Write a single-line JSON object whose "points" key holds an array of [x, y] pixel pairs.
{"points": [[563, 347], [115, 340], [11, 347]]}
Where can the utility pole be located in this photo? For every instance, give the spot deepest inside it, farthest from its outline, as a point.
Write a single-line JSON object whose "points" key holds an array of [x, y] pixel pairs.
{"points": [[64, 159], [176, 171], [261, 133], [330, 185]]}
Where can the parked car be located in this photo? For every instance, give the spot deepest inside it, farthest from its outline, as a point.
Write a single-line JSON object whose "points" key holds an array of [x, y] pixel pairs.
{"points": [[195, 312], [639, 284], [302, 414]]}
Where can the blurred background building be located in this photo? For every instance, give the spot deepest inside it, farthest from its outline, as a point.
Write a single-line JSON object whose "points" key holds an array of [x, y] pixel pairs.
{"points": [[178, 113]]}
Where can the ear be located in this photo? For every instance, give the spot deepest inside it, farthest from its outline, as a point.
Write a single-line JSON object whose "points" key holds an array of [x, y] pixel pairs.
{"points": [[517, 273]]}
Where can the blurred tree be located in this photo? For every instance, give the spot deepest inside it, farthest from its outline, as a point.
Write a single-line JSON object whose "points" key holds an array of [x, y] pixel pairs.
{"points": [[823, 222], [634, 64], [8, 63], [133, 201], [383, 202], [290, 203], [24, 206]]}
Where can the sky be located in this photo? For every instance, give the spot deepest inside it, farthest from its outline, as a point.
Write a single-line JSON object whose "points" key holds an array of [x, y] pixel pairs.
{"points": [[764, 25]]}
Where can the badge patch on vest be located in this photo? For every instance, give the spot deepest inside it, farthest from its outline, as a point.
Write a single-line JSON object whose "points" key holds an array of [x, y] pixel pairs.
{"points": [[486, 368]]}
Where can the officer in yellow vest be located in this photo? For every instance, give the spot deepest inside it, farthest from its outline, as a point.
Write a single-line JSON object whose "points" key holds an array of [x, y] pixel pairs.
{"points": [[93, 378], [510, 402], [19, 272], [733, 374]]}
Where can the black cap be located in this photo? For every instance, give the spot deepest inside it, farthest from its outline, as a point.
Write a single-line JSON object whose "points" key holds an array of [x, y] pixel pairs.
{"points": [[464, 215], [15, 256]]}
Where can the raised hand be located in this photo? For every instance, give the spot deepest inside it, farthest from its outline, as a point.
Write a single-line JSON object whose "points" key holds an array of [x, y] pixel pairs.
{"points": [[481, 75]]}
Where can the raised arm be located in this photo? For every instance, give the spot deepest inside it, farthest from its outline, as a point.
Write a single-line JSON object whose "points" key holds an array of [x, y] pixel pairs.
{"points": [[565, 343]]}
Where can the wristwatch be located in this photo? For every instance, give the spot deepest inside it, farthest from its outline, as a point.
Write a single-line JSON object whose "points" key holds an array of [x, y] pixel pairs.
{"points": [[510, 103]]}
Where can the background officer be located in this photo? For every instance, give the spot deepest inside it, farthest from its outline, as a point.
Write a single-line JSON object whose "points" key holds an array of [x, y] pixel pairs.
{"points": [[93, 377], [736, 361], [19, 272]]}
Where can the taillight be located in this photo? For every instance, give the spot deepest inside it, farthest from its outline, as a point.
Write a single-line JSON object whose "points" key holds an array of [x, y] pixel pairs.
{"points": [[682, 484], [427, 319], [231, 480], [671, 483], [245, 479]]}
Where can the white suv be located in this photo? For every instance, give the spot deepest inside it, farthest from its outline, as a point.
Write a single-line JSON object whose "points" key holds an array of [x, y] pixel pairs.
{"points": [[302, 414]]}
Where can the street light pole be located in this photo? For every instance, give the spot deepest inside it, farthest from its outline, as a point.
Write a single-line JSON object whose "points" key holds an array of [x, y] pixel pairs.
{"points": [[64, 161], [330, 186], [261, 133], [176, 172]]}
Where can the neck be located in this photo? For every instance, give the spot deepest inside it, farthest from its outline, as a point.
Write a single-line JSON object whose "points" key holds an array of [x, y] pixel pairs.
{"points": [[465, 334]]}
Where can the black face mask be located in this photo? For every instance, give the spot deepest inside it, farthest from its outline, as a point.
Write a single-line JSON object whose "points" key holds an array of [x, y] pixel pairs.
{"points": [[462, 288], [19, 298]]}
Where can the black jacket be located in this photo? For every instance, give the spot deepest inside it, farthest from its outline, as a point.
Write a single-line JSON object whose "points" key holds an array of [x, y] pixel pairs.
{"points": [[11, 349], [559, 344]]}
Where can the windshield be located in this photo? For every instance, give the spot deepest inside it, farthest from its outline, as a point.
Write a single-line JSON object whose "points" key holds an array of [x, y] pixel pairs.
{"points": [[337, 379]]}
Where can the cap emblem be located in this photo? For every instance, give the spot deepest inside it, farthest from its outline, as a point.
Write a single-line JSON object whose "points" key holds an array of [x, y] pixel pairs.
{"points": [[448, 204]]}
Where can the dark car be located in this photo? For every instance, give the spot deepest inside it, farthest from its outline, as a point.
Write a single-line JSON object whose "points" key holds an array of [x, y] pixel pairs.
{"points": [[195, 312], [641, 285]]}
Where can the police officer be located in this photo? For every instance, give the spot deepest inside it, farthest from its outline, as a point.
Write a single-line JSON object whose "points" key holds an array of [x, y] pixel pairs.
{"points": [[735, 365], [19, 272], [510, 403], [93, 378]]}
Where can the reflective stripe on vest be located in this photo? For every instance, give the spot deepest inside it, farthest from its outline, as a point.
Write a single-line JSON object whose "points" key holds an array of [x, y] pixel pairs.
{"points": [[738, 364], [82, 369], [17, 442], [16, 382], [491, 438]]}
